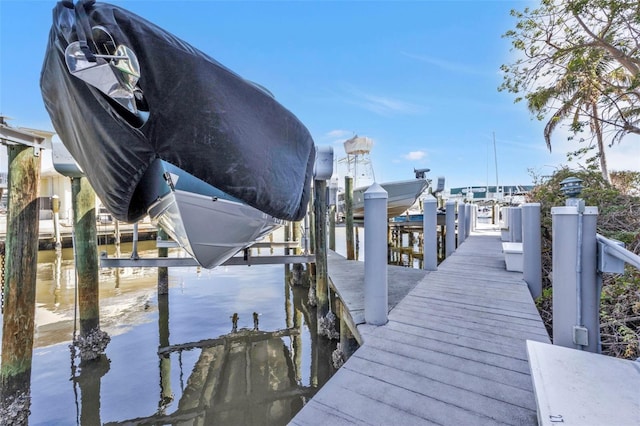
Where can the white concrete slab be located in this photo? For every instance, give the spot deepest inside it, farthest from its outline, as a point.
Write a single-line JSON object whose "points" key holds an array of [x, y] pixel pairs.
{"points": [[574, 387]]}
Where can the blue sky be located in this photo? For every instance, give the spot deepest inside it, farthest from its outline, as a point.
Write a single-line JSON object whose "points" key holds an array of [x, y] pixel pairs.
{"points": [[419, 78]]}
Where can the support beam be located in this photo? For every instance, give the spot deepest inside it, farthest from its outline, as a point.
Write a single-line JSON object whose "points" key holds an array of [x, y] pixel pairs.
{"points": [[320, 249], [163, 271], [86, 253], [348, 212], [20, 283], [92, 341]]}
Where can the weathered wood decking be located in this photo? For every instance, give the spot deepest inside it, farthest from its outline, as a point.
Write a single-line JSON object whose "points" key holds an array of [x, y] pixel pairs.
{"points": [[349, 276], [452, 353]]}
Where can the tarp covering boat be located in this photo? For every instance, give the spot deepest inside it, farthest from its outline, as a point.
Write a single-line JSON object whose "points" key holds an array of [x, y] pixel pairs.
{"points": [[168, 101]]}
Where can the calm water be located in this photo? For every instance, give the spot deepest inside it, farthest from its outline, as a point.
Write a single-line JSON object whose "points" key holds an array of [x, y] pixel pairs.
{"points": [[245, 377]]}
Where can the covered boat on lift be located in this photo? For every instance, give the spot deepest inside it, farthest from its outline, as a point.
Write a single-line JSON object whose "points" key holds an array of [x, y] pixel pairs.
{"points": [[160, 128]]}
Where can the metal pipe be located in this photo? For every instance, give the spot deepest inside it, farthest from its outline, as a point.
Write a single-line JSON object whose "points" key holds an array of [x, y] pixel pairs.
{"points": [[619, 252], [579, 266]]}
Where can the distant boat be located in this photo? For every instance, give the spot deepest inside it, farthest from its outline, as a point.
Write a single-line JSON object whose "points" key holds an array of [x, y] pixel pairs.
{"points": [[160, 128], [402, 194]]}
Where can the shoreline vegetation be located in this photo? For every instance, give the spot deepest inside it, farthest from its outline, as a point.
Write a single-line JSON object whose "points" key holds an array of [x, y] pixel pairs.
{"points": [[618, 218]]}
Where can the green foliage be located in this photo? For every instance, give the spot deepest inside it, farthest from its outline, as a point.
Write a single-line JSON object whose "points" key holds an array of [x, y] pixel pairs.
{"points": [[620, 315], [578, 60]]}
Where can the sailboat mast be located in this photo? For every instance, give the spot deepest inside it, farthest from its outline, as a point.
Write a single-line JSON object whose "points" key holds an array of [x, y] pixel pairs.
{"points": [[495, 157]]}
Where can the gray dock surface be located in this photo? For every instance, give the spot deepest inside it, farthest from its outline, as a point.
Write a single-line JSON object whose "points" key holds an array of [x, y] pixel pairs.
{"points": [[453, 352]]}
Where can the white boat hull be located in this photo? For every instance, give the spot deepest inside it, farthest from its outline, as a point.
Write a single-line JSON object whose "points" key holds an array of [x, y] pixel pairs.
{"points": [[210, 229], [402, 195]]}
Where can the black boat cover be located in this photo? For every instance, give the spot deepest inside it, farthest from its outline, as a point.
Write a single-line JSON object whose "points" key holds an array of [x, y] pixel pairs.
{"points": [[203, 118]]}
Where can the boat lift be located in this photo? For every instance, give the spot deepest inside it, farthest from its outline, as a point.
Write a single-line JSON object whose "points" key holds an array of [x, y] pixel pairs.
{"points": [[66, 165], [135, 261]]}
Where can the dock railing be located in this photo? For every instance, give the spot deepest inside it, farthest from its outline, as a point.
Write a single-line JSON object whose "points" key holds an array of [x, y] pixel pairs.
{"points": [[614, 249]]}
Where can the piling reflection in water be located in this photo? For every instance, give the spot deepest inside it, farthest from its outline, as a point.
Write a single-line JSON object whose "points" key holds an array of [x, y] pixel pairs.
{"points": [[192, 369], [245, 377]]}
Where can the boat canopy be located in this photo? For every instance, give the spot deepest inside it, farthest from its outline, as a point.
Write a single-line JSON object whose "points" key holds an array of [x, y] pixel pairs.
{"points": [[122, 92], [358, 145]]}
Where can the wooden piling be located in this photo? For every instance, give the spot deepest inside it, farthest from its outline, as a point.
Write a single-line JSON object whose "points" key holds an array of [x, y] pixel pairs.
{"points": [[320, 214], [166, 393], [296, 344], [332, 227], [55, 207], [348, 205], [21, 258], [296, 233], [163, 271], [89, 382], [357, 243], [310, 227], [287, 237], [116, 233], [86, 254], [312, 222]]}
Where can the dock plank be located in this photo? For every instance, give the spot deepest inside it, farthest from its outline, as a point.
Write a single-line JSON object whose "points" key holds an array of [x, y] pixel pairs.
{"points": [[485, 355], [460, 392], [350, 275], [453, 352], [440, 367]]}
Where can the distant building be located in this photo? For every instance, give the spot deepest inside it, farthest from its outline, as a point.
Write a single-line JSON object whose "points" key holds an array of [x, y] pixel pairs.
{"points": [[51, 182], [513, 194]]}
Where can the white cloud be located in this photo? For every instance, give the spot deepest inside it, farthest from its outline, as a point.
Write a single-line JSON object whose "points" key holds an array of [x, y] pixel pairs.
{"points": [[339, 133], [415, 155], [622, 156], [625, 155], [444, 64], [385, 105], [381, 104]]}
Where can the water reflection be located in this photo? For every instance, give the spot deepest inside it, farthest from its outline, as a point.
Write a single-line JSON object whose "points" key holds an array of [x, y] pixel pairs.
{"points": [[175, 358], [122, 292], [244, 377]]}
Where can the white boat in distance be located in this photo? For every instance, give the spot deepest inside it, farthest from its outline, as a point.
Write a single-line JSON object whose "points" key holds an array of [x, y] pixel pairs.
{"points": [[402, 194]]}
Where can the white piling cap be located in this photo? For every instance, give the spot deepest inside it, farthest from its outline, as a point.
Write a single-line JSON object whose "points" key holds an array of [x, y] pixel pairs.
{"points": [[429, 199], [375, 191]]}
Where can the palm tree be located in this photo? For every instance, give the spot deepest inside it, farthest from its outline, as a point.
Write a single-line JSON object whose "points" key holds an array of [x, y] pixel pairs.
{"points": [[580, 93]]}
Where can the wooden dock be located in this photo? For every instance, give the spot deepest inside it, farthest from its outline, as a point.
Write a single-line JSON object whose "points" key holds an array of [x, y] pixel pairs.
{"points": [[453, 352], [104, 231]]}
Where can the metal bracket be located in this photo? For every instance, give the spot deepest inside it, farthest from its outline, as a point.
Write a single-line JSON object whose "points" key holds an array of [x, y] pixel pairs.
{"points": [[107, 262], [580, 335], [606, 261], [11, 136]]}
